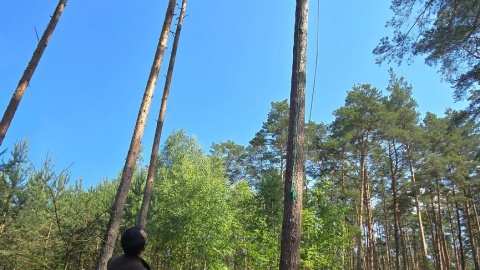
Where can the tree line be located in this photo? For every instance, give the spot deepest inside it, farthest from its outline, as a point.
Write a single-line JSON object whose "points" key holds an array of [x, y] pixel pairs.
{"points": [[384, 189]]}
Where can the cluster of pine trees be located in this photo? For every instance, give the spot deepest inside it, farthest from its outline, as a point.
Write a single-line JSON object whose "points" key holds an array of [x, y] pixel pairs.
{"points": [[384, 189]]}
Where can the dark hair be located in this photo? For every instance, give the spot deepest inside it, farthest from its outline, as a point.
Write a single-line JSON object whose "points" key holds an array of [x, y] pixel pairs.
{"points": [[133, 241]]}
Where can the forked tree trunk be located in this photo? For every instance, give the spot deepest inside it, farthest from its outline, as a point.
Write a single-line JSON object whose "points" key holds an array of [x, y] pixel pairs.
{"points": [[126, 180], [152, 168], [28, 73], [295, 169]]}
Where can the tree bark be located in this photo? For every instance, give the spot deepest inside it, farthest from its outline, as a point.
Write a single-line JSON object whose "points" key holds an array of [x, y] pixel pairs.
{"points": [[459, 233], [417, 208], [471, 233], [360, 257], [435, 226], [443, 245], [125, 182], [295, 169], [392, 152], [387, 261], [452, 231], [372, 262], [28, 73], [433, 232], [152, 168]]}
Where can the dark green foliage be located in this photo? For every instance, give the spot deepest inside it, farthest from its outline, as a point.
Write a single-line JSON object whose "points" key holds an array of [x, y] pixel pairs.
{"points": [[446, 33], [232, 156]]}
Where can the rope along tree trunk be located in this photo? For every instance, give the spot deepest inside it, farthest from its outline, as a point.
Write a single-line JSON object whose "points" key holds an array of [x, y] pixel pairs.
{"points": [[28, 73], [152, 168], [126, 180], [295, 170]]}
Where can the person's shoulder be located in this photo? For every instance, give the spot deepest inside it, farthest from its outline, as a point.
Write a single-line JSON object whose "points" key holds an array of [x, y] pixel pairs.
{"points": [[145, 264], [111, 261], [127, 262]]}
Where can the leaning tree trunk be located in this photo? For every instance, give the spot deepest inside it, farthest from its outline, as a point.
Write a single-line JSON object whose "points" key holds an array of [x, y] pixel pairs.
{"points": [[126, 180], [28, 73], [295, 169], [152, 168]]}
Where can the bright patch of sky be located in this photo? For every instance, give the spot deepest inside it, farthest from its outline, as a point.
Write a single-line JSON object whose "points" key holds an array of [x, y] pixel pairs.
{"points": [[233, 60]]}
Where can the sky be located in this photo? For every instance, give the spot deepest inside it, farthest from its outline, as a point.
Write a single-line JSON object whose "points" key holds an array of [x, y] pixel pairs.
{"points": [[233, 60]]}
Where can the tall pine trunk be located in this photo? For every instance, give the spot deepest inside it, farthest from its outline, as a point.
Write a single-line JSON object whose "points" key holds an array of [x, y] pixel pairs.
{"points": [[387, 264], [417, 208], [152, 168], [126, 180], [295, 169], [473, 244], [441, 232], [360, 256], [393, 156], [372, 259], [459, 232], [453, 234], [28, 73]]}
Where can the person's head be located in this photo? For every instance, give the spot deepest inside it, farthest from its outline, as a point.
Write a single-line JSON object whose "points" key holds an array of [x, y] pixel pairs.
{"points": [[134, 241]]}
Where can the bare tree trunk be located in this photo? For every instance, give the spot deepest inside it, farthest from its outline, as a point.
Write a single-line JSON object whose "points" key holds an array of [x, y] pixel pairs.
{"points": [[295, 169], [441, 232], [410, 254], [370, 233], [415, 248], [360, 256], [28, 73], [404, 250], [152, 168], [471, 234], [387, 261], [126, 180], [393, 177], [365, 199], [475, 215], [417, 208], [459, 232], [437, 263], [453, 235]]}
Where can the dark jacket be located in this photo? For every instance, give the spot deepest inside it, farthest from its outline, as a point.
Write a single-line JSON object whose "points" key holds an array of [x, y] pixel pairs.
{"points": [[126, 262]]}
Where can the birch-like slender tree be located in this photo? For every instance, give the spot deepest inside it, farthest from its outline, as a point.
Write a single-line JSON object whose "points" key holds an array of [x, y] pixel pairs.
{"points": [[126, 180], [28, 73], [152, 168], [295, 169]]}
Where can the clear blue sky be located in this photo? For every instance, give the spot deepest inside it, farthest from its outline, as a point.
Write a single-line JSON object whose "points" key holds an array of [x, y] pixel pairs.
{"points": [[233, 60]]}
